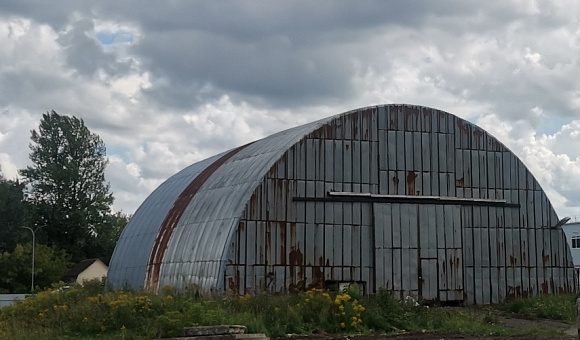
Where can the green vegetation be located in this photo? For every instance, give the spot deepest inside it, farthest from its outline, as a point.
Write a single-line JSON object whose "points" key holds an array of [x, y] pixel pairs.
{"points": [[68, 204], [90, 311], [555, 307], [50, 263], [68, 192]]}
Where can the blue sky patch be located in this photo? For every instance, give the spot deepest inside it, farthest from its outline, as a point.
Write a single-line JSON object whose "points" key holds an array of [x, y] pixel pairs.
{"points": [[109, 38]]}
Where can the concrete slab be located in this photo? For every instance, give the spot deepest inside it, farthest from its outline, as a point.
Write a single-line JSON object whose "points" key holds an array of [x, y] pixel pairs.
{"points": [[213, 330]]}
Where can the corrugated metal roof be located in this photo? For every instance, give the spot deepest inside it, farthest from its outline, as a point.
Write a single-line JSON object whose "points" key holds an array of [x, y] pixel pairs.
{"points": [[195, 251], [201, 236], [129, 261]]}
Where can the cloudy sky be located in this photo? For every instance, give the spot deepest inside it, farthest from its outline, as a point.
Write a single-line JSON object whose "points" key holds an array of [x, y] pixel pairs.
{"points": [[168, 83]]}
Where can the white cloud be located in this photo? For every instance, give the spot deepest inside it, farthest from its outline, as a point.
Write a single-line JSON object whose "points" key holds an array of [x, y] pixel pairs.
{"points": [[168, 86]]}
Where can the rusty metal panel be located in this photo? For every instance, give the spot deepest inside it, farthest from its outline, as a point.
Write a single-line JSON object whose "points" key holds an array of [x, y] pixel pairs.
{"points": [[425, 180], [494, 248], [416, 150], [442, 263], [357, 170], [400, 151], [408, 151], [468, 247], [338, 166], [385, 149], [428, 232], [347, 213], [434, 152], [381, 118], [429, 289], [485, 282], [373, 167], [388, 150], [365, 169], [425, 153], [319, 159], [347, 245], [338, 244], [397, 271], [381, 270], [356, 246], [356, 213], [384, 183], [347, 161]]}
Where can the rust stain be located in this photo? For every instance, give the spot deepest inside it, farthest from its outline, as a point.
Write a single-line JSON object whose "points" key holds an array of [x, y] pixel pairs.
{"points": [[173, 216], [268, 242], [355, 128], [317, 278], [412, 115], [234, 283], [513, 261], [296, 261], [513, 292], [463, 127], [545, 286], [393, 121], [283, 244], [460, 182], [545, 258], [411, 183]]}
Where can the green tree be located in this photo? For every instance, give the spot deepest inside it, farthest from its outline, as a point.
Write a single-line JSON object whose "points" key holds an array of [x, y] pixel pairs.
{"points": [[69, 194], [11, 212], [108, 233], [50, 265]]}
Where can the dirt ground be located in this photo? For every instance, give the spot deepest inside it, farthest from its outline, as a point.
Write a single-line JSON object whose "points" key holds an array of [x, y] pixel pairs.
{"points": [[570, 331]]}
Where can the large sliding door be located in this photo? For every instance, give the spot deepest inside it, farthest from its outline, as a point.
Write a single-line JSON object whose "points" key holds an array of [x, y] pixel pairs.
{"points": [[418, 250]]}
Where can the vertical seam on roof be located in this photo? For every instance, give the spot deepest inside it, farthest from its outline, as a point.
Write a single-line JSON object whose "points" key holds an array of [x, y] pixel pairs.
{"points": [[173, 216]]}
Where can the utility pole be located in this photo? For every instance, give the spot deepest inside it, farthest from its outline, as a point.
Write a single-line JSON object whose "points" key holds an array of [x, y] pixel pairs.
{"points": [[33, 231]]}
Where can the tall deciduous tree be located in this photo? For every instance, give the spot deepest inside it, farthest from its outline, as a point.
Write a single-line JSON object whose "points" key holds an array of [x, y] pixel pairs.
{"points": [[68, 191], [11, 212]]}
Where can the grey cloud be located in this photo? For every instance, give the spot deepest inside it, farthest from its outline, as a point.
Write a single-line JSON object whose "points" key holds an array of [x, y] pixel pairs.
{"points": [[84, 54]]}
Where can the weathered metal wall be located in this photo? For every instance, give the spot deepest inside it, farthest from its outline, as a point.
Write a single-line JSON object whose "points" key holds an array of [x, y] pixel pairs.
{"points": [[293, 235]]}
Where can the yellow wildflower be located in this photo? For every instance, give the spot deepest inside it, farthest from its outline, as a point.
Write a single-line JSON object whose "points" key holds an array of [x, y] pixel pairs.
{"points": [[342, 325]]}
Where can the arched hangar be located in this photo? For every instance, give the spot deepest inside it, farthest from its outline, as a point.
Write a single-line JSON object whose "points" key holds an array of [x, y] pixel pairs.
{"points": [[409, 198]]}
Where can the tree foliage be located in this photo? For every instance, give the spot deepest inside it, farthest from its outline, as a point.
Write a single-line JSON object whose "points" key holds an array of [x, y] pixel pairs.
{"points": [[11, 212], [50, 265], [68, 191]]}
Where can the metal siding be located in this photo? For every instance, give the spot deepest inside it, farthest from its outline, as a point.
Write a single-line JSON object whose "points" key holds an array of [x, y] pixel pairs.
{"points": [[445, 156]]}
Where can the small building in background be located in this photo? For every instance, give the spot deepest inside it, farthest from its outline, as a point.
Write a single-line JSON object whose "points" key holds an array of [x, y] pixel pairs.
{"points": [[572, 231], [86, 270]]}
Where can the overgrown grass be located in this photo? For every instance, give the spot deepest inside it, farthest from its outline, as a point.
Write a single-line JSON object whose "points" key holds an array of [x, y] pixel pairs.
{"points": [[90, 312], [555, 307]]}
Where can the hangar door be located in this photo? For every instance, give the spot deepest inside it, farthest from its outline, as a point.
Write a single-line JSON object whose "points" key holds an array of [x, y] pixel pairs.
{"points": [[418, 250]]}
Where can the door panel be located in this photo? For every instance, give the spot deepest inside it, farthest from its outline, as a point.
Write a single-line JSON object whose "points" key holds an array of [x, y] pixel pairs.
{"points": [[420, 250]]}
